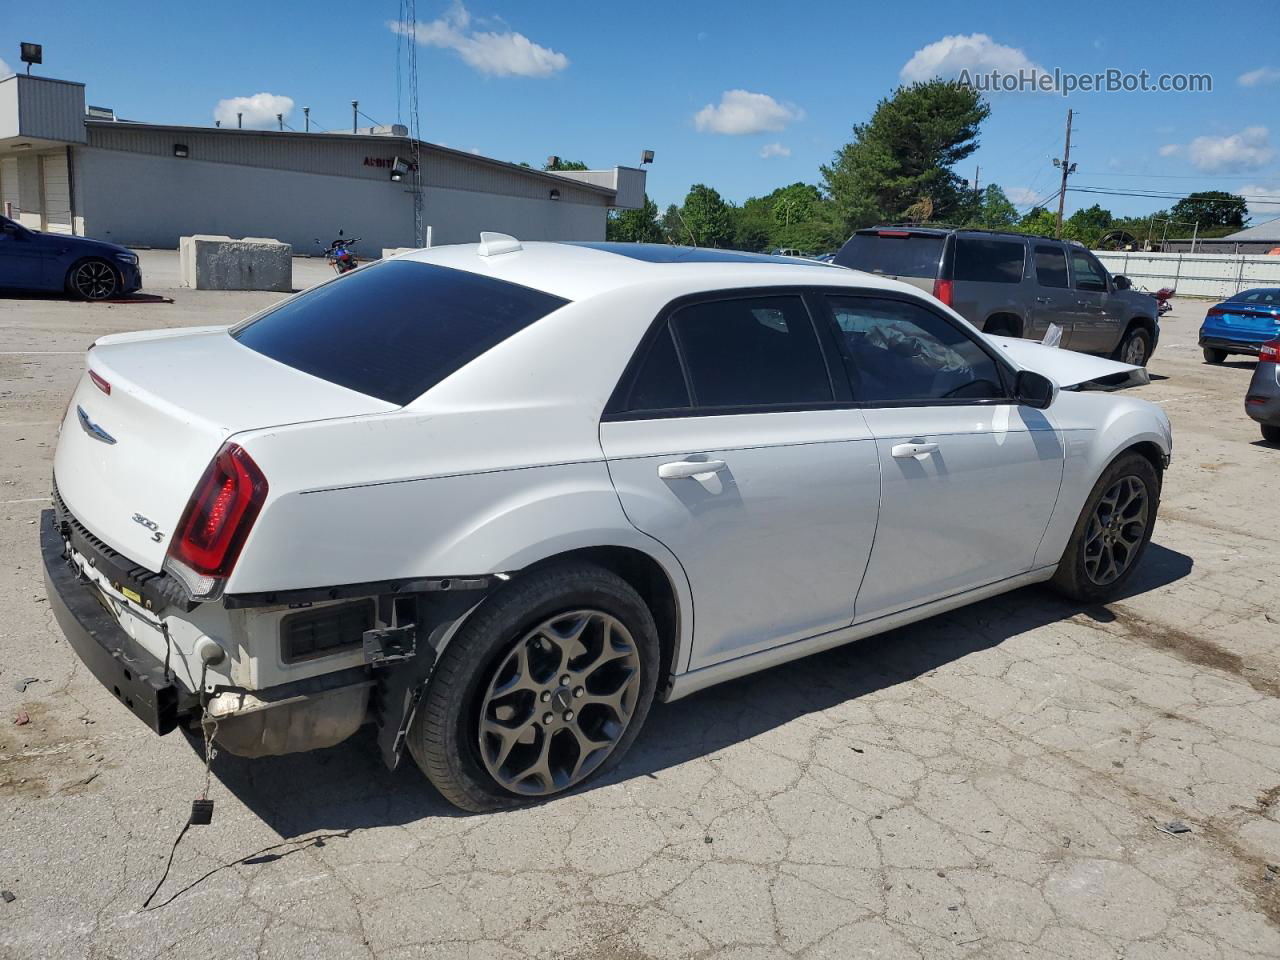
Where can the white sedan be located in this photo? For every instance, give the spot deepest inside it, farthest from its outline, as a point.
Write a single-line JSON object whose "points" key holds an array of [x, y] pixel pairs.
{"points": [[495, 498]]}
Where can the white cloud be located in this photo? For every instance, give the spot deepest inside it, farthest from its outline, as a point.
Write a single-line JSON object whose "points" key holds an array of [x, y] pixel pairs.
{"points": [[1267, 202], [1170, 150], [775, 150], [1246, 150], [1259, 77], [741, 111], [975, 52], [5, 69], [504, 54], [259, 110], [1022, 196]]}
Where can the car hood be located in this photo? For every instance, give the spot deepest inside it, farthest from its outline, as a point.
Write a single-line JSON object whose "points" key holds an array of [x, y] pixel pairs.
{"points": [[1071, 370], [84, 244]]}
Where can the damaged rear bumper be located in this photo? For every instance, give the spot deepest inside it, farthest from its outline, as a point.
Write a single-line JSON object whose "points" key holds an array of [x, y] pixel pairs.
{"points": [[134, 676]]}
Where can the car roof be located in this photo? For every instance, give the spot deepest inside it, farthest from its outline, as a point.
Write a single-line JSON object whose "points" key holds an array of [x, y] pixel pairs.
{"points": [[577, 271]]}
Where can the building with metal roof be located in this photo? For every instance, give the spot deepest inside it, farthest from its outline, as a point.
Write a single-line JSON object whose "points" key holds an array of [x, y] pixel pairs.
{"points": [[65, 170]]}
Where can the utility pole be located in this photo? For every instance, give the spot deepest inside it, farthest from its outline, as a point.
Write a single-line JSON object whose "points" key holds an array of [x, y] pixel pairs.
{"points": [[306, 118], [1066, 171], [355, 112], [280, 121], [976, 170], [239, 121]]}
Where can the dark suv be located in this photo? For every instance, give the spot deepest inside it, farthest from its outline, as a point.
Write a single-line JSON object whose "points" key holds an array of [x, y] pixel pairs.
{"points": [[1015, 285]]}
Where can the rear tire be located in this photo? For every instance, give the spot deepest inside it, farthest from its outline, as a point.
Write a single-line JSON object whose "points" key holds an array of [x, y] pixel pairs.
{"points": [[506, 670], [1271, 433], [1112, 532], [1214, 355], [93, 280], [1135, 347]]}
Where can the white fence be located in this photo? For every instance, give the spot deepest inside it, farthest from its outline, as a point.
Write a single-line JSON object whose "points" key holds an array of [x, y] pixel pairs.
{"points": [[1216, 275]]}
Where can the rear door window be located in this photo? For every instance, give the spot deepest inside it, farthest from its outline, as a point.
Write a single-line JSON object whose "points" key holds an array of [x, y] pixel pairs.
{"points": [[394, 330], [659, 383], [752, 352], [893, 253], [989, 261], [1051, 266]]}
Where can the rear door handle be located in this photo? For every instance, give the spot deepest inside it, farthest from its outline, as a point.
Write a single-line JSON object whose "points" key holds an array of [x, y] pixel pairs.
{"points": [[913, 451], [680, 469], [1044, 299]]}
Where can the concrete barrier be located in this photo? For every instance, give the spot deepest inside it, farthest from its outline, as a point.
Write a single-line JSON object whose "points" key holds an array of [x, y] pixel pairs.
{"points": [[209, 262]]}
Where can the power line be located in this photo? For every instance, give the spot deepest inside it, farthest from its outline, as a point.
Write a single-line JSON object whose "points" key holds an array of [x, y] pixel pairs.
{"points": [[1163, 195]]}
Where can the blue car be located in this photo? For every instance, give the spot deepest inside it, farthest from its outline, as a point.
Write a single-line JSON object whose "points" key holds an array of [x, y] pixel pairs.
{"points": [[89, 269], [1241, 325]]}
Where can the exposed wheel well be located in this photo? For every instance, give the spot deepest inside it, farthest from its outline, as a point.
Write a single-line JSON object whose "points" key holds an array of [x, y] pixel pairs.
{"points": [[648, 579], [1149, 450], [1004, 321], [1140, 321]]}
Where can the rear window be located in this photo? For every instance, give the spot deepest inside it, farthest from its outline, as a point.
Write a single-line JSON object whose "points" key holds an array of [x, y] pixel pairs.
{"points": [[1263, 297], [893, 254], [394, 330], [989, 261]]}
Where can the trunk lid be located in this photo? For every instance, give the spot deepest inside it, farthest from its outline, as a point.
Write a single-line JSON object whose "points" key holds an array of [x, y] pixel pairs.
{"points": [[127, 461]]}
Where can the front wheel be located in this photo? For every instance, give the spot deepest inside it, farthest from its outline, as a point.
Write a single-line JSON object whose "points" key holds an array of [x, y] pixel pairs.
{"points": [[1135, 348], [1213, 355], [1112, 532], [544, 688], [93, 280]]}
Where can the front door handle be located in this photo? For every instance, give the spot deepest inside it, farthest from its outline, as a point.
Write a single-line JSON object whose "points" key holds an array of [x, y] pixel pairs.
{"points": [[689, 468], [913, 451]]}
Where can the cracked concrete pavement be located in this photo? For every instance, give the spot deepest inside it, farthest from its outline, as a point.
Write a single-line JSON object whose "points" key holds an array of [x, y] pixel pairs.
{"points": [[992, 783]]}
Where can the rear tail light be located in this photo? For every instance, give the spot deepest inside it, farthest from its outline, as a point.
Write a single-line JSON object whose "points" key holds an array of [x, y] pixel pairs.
{"points": [[1270, 352], [100, 383], [216, 522], [942, 290], [1215, 312]]}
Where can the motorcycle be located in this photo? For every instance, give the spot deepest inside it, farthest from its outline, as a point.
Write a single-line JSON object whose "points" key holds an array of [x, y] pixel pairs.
{"points": [[1163, 296], [341, 254]]}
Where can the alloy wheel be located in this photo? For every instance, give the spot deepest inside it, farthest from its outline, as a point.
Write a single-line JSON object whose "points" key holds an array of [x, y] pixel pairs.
{"points": [[94, 280], [559, 702], [1116, 530], [1135, 351]]}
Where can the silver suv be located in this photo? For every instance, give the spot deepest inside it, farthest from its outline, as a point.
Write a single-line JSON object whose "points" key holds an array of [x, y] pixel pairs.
{"points": [[1015, 285]]}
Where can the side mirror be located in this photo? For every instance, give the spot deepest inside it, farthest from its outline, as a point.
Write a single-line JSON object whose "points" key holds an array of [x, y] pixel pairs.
{"points": [[1033, 389], [1122, 282]]}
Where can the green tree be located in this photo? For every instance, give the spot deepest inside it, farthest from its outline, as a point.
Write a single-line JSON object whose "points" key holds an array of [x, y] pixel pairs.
{"points": [[673, 228], [1039, 221], [996, 212], [707, 217], [1088, 225], [635, 226], [565, 165], [905, 153], [1212, 208]]}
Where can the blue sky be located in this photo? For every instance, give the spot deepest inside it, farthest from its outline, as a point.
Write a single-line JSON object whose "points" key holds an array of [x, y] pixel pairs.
{"points": [[742, 96]]}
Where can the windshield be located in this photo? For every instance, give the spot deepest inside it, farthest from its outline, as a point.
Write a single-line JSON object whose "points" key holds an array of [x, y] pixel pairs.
{"points": [[393, 330], [893, 253]]}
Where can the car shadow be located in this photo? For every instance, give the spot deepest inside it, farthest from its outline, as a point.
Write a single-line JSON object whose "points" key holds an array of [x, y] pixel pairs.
{"points": [[347, 787]]}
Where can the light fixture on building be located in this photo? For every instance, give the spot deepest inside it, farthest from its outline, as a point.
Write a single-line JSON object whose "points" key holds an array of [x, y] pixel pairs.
{"points": [[552, 162], [646, 157], [32, 53], [180, 150], [398, 169], [555, 194]]}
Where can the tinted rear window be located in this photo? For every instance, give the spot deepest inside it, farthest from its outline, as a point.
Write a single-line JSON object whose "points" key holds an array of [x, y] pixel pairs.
{"points": [[394, 330], [914, 255], [989, 261]]}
